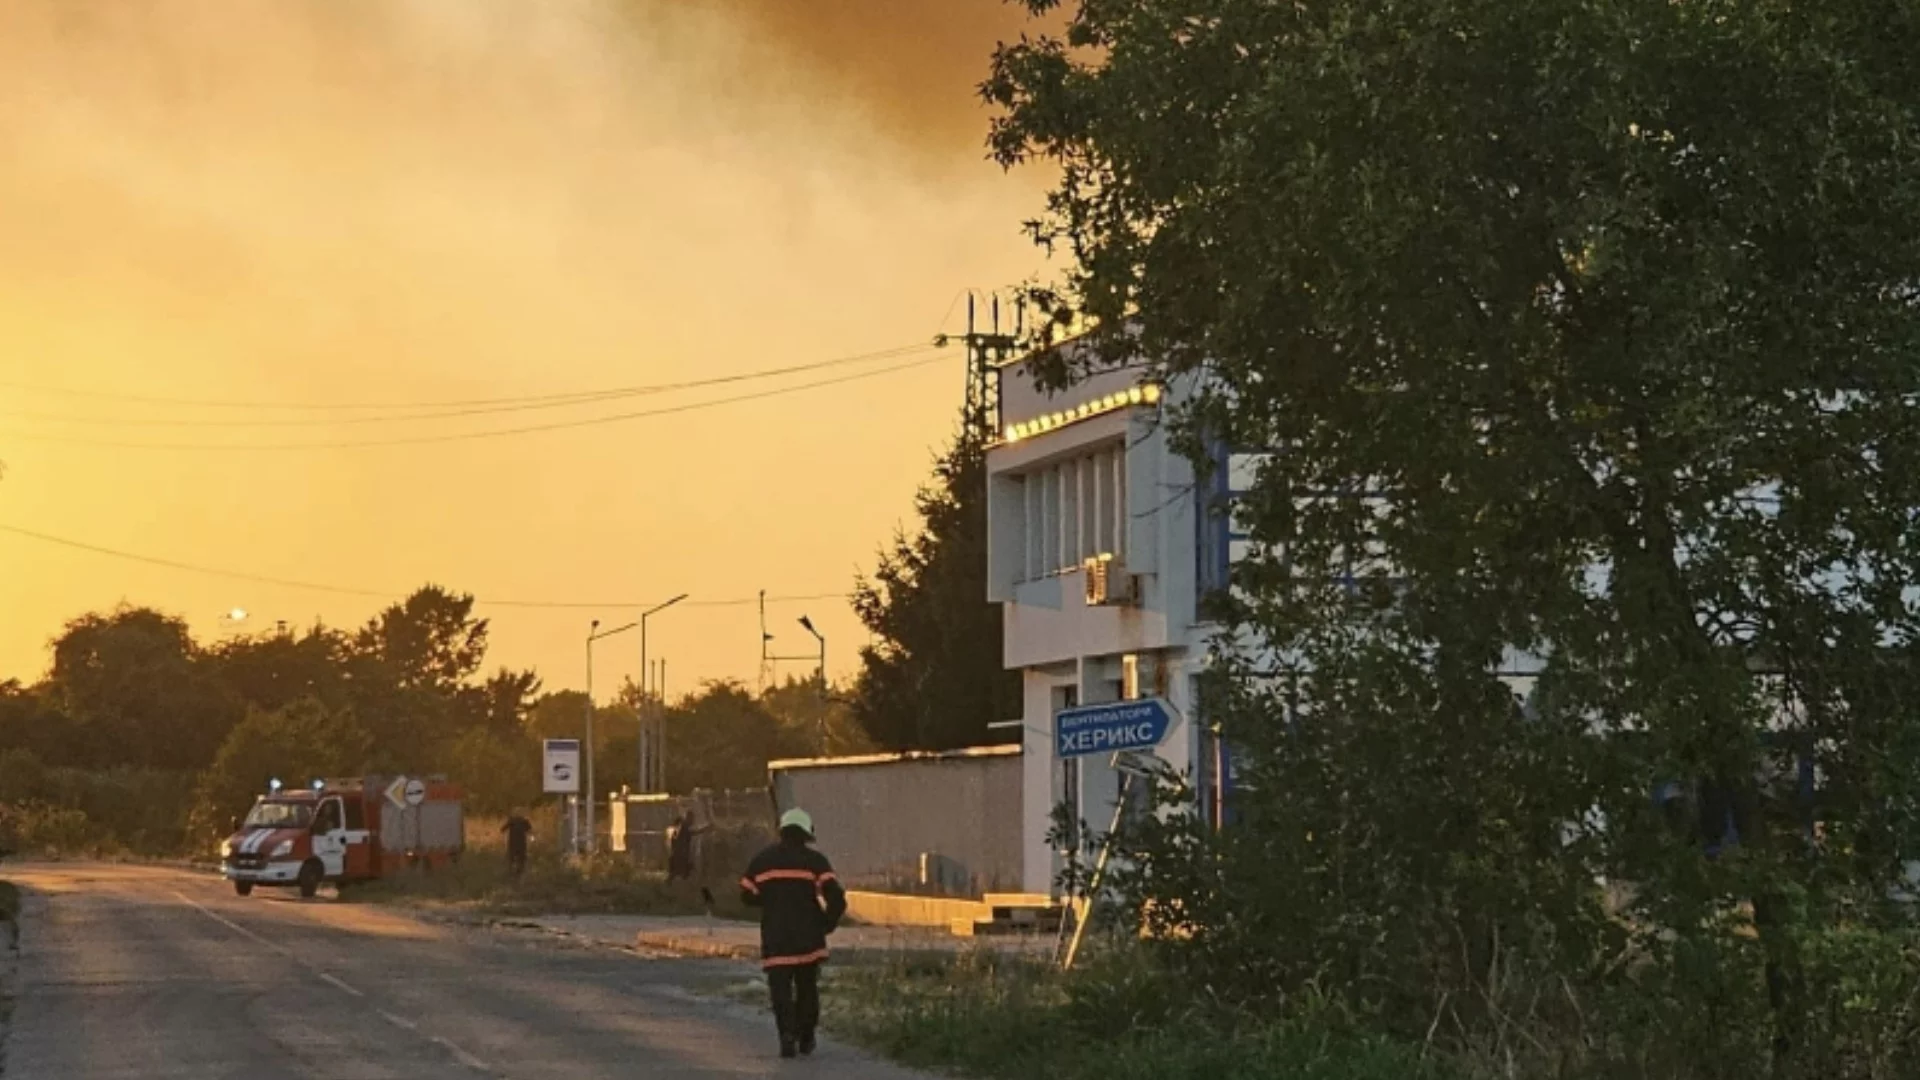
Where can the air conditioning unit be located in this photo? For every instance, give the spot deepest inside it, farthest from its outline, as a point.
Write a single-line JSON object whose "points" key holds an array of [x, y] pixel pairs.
{"points": [[1109, 584]]}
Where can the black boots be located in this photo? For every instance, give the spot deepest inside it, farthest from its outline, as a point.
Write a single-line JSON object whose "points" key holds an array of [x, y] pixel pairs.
{"points": [[806, 1042]]}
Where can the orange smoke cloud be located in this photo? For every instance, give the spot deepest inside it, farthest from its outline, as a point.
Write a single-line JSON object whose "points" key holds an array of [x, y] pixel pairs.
{"points": [[916, 65]]}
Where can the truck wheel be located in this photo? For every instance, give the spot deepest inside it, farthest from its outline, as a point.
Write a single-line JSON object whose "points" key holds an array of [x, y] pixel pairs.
{"points": [[310, 875], [244, 888]]}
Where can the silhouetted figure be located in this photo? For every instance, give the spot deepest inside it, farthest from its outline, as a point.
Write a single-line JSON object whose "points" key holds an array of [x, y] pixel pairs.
{"points": [[519, 830], [680, 848]]}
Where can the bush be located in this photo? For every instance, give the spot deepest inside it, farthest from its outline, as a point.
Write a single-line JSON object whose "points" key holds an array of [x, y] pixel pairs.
{"points": [[142, 810], [497, 772], [1119, 1019], [40, 828], [1865, 990]]}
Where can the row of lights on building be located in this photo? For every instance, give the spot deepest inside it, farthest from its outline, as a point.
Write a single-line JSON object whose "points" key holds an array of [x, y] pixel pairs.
{"points": [[1139, 395]]}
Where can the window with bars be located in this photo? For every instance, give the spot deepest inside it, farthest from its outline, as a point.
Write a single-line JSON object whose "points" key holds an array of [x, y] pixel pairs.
{"points": [[1076, 510]]}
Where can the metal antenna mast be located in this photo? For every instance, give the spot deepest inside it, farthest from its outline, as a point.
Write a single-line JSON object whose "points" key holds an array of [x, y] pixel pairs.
{"points": [[986, 351]]}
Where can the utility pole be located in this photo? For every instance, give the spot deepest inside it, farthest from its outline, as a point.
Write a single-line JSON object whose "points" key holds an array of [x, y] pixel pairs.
{"points": [[594, 634], [592, 631], [646, 677], [766, 645], [986, 351]]}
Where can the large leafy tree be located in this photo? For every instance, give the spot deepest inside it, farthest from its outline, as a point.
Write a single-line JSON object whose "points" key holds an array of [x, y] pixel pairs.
{"points": [[412, 669], [271, 671], [934, 676], [1587, 329], [134, 690], [815, 724], [721, 738], [430, 640]]}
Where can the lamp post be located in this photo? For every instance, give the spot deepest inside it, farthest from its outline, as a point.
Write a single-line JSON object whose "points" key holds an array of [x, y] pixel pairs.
{"points": [[821, 638], [646, 704], [594, 634]]}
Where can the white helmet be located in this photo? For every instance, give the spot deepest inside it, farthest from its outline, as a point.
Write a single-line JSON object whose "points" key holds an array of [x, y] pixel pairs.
{"points": [[797, 819]]}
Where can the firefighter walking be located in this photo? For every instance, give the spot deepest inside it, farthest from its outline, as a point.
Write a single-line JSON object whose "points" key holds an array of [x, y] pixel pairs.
{"points": [[800, 902]]}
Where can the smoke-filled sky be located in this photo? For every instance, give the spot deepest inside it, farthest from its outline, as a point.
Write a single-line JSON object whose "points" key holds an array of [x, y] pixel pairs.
{"points": [[398, 202]]}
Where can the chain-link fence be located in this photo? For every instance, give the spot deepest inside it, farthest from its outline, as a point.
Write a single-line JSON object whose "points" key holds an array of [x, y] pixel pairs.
{"points": [[728, 828]]}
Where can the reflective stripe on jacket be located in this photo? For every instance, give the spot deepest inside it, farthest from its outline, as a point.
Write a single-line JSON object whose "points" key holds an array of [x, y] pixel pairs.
{"points": [[800, 902]]}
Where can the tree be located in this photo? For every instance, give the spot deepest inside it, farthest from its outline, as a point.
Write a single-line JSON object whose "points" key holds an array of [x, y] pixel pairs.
{"points": [[430, 640], [1589, 330], [561, 714], [813, 723], [503, 704], [721, 737], [270, 671], [296, 744], [499, 772], [411, 668], [30, 722], [934, 677], [136, 692]]}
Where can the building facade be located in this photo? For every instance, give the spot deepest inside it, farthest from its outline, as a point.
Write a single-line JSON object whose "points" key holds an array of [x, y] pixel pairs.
{"points": [[1099, 553]]}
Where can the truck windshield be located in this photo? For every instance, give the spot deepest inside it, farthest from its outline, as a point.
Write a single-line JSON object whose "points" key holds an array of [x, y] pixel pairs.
{"points": [[278, 815]]}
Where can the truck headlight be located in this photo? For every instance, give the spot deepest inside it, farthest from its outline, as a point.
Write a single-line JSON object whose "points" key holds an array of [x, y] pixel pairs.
{"points": [[284, 847], [226, 848]]}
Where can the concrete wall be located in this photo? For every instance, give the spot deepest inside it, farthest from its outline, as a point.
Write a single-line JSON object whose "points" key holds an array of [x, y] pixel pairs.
{"points": [[933, 824]]}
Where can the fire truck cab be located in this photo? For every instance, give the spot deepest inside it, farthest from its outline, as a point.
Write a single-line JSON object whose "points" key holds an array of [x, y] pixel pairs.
{"points": [[343, 831]]}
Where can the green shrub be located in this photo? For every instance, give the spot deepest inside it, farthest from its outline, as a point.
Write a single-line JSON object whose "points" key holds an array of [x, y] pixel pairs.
{"points": [[40, 828], [1118, 1019], [143, 810], [1864, 990]]}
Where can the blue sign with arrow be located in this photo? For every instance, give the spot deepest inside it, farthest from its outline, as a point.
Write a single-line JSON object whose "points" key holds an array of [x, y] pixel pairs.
{"points": [[1105, 729]]}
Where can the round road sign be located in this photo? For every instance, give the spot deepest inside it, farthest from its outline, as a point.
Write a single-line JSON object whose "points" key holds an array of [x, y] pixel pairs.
{"points": [[416, 792]]}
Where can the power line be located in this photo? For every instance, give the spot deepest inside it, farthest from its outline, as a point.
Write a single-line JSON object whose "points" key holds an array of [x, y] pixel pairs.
{"points": [[379, 594], [491, 433], [504, 403]]}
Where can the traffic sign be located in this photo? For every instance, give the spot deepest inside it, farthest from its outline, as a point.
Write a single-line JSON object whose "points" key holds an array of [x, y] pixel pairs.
{"points": [[416, 792], [1116, 726], [397, 793], [560, 766]]}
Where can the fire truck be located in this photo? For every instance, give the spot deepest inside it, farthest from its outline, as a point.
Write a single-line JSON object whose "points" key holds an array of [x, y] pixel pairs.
{"points": [[344, 831]]}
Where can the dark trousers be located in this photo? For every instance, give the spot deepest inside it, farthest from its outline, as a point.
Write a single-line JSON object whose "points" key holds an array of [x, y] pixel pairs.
{"points": [[796, 999], [516, 862]]}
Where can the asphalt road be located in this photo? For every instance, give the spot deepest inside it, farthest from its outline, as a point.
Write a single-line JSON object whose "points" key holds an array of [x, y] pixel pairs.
{"points": [[154, 973]]}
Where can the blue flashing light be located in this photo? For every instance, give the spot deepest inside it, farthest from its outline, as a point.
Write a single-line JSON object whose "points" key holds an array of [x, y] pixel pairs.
{"points": [[274, 785]]}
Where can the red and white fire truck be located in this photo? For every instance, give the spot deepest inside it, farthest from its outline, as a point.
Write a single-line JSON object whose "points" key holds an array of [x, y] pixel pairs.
{"points": [[344, 831]]}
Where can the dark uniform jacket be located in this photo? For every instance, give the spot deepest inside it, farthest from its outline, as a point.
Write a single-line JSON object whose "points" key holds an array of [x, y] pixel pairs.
{"points": [[800, 902]]}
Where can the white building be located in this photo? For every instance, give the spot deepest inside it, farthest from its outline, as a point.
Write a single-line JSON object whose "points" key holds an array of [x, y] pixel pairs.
{"points": [[1099, 554]]}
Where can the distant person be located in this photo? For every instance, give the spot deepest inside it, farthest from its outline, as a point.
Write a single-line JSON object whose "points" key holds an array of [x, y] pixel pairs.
{"points": [[800, 902], [680, 848], [519, 830]]}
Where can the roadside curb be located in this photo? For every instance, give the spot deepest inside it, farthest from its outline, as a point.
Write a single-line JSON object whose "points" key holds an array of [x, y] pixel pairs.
{"points": [[693, 946]]}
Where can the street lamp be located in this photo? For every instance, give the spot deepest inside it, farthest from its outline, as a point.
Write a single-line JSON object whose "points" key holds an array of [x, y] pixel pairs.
{"points": [[821, 638], [233, 623], [646, 704], [594, 633]]}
